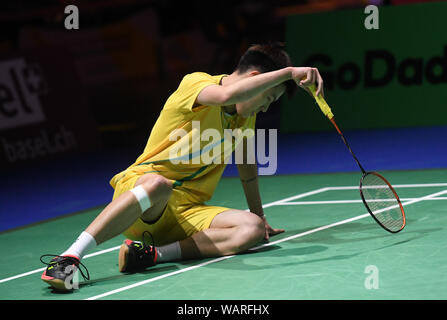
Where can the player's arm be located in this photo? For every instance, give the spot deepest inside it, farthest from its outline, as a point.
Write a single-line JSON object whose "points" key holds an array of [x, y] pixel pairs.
{"points": [[248, 174], [249, 87]]}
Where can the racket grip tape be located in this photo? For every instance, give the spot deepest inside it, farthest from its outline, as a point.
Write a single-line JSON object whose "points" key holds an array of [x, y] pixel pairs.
{"points": [[321, 102]]}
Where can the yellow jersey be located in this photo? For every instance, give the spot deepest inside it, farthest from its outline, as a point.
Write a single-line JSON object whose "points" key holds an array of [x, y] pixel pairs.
{"points": [[191, 145]]}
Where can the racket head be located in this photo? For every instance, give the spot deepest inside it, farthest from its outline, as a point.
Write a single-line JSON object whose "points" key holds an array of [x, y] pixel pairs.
{"points": [[382, 202]]}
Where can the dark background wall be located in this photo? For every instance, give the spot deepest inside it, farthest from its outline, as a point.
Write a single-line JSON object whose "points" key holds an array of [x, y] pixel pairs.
{"points": [[119, 67]]}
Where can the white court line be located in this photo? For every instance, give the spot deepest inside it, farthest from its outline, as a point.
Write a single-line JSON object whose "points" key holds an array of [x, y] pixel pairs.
{"points": [[295, 203], [137, 284], [395, 186], [427, 197], [302, 195]]}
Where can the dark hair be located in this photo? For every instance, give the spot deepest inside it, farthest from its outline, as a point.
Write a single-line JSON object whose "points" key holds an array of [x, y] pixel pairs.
{"points": [[266, 58]]}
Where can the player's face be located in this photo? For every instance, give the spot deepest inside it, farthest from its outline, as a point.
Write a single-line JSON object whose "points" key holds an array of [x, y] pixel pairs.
{"points": [[262, 101]]}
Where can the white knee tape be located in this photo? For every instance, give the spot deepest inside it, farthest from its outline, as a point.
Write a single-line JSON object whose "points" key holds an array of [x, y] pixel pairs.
{"points": [[142, 197]]}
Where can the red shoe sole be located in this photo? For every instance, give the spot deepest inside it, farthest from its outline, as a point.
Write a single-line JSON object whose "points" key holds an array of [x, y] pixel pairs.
{"points": [[57, 284]]}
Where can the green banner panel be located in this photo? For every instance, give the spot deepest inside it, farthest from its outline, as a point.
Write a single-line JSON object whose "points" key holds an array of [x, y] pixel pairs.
{"points": [[394, 76]]}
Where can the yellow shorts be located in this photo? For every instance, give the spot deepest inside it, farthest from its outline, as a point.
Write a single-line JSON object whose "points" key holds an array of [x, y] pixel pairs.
{"points": [[182, 217]]}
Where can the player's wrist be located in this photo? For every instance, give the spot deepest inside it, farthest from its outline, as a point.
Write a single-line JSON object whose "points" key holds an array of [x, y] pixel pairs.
{"points": [[289, 71], [252, 179]]}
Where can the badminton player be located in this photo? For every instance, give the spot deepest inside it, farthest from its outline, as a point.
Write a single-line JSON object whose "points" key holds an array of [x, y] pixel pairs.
{"points": [[164, 201]]}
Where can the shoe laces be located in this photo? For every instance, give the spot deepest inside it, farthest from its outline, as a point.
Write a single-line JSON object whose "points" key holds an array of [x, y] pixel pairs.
{"points": [[67, 260], [152, 243]]}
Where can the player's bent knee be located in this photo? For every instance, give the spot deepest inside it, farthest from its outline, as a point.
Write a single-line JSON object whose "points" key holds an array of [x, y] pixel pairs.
{"points": [[162, 187], [142, 197], [152, 190], [157, 187]]}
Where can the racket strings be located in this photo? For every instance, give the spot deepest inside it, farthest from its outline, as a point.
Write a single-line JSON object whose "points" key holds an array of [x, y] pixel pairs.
{"points": [[382, 202]]}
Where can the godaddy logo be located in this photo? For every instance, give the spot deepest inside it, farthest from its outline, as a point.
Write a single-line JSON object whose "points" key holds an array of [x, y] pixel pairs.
{"points": [[210, 146], [380, 67]]}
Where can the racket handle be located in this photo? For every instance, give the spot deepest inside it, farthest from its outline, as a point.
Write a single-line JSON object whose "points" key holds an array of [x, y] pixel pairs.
{"points": [[321, 102]]}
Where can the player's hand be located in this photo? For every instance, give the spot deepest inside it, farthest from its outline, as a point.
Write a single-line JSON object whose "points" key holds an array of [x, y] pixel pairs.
{"points": [[306, 76], [269, 231]]}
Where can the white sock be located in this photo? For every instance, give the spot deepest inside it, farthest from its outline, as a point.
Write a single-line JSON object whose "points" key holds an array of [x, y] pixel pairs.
{"points": [[169, 252], [84, 243]]}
